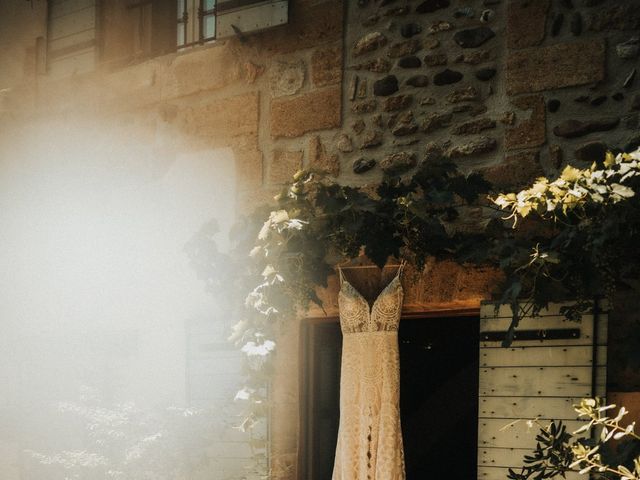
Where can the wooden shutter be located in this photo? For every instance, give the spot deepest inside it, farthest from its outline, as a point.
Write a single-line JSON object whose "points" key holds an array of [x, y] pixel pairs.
{"points": [[550, 366], [213, 376], [164, 26], [71, 37], [237, 17]]}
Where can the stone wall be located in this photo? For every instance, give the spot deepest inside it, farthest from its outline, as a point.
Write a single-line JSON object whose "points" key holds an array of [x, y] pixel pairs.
{"points": [[516, 89], [274, 97]]}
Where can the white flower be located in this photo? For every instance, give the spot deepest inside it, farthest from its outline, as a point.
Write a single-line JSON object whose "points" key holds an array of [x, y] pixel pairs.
{"points": [[622, 191], [253, 349], [264, 231], [269, 270], [244, 393], [278, 216], [296, 224]]}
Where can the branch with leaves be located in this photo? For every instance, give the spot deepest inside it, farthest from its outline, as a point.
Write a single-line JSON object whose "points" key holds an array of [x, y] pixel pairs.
{"points": [[558, 452]]}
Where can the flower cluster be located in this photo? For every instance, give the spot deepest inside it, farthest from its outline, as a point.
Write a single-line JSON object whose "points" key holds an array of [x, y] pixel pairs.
{"points": [[588, 458], [575, 188]]}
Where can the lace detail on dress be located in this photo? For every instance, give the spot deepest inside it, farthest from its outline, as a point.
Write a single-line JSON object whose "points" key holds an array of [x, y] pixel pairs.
{"points": [[383, 316], [370, 437]]}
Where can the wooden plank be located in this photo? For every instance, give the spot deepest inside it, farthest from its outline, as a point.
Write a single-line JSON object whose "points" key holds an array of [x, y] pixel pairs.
{"points": [[585, 339], [503, 433], [72, 24], [502, 457], [542, 355], [538, 356], [536, 381], [488, 310], [544, 323], [528, 408], [538, 323], [498, 473], [71, 40], [59, 8]]}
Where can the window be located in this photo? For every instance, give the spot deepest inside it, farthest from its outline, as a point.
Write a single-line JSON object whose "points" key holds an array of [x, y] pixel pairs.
{"points": [[201, 21], [196, 21], [82, 33]]}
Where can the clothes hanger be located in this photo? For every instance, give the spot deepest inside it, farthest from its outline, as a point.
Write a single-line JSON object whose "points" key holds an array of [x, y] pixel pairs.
{"points": [[357, 267]]}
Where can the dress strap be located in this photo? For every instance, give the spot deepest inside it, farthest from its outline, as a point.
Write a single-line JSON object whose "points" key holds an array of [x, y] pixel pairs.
{"points": [[341, 274], [401, 267]]}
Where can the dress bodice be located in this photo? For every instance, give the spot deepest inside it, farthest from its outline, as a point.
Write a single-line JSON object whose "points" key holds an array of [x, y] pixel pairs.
{"points": [[383, 316]]}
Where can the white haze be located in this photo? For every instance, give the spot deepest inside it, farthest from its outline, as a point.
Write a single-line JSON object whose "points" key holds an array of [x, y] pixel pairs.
{"points": [[95, 287]]}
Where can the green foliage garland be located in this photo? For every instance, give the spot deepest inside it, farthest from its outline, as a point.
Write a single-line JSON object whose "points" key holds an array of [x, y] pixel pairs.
{"points": [[576, 239]]}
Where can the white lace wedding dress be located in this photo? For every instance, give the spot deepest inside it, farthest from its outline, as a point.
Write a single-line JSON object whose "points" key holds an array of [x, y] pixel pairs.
{"points": [[370, 437]]}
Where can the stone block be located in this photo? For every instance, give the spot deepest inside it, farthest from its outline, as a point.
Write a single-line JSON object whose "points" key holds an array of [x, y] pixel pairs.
{"points": [[316, 110], [326, 66], [284, 164], [515, 172], [248, 200], [572, 128], [370, 42], [286, 78], [615, 17], [444, 282], [398, 162], [526, 23], [320, 159], [473, 126], [555, 66], [408, 47], [474, 147], [530, 132], [371, 139], [397, 102], [124, 89], [466, 94], [249, 168], [366, 106], [222, 122], [436, 120], [201, 70], [378, 65]]}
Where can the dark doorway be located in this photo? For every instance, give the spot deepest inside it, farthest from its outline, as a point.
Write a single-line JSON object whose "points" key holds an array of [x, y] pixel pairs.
{"points": [[439, 362], [438, 399]]}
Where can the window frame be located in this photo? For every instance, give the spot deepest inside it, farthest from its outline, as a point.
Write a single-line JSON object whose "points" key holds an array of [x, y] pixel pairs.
{"points": [[193, 19]]}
